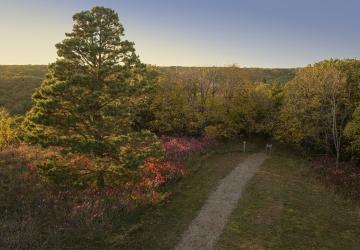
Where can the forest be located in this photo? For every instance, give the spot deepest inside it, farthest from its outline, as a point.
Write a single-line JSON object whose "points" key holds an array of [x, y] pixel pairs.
{"points": [[99, 150], [18, 82]]}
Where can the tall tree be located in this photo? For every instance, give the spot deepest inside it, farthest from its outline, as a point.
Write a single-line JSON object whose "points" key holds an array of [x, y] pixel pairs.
{"points": [[88, 101], [318, 104], [336, 105]]}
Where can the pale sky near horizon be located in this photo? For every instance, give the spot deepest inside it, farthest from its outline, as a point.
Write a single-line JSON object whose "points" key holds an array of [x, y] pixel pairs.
{"points": [[257, 33]]}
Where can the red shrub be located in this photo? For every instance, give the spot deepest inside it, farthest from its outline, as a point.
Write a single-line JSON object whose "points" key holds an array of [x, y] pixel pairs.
{"points": [[179, 147], [158, 173], [155, 174], [345, 178], [30, 156], [83, 162]]}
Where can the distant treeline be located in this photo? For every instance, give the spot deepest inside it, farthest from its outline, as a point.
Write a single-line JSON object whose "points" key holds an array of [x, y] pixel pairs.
{"points": [[17, 82], [266, 75]]}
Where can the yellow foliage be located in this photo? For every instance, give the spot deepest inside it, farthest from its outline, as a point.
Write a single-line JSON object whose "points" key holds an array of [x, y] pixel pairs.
{"points": [[8, 132]]}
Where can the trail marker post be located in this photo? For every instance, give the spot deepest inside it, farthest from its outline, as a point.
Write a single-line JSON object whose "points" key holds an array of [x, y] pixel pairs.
{"points": [[268, 148], [244, 146]]}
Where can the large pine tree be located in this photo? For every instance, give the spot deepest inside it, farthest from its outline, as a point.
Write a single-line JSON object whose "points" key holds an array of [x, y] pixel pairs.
{"points": [[87, 102]]}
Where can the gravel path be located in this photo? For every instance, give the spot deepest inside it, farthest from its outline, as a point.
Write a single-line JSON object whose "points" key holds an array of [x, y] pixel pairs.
{"points": [[206, 228]]}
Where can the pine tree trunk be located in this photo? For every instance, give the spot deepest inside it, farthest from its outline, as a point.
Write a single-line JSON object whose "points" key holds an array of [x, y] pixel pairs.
{"points": [[100, 180]]}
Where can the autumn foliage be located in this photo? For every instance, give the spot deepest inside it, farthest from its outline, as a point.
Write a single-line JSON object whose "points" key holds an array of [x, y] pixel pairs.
{"points": [[108, 135], [178, 147], [66, 203]]}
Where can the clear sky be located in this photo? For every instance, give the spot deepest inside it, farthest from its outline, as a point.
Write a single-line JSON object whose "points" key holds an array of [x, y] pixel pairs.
{"points": [[262, 33]]}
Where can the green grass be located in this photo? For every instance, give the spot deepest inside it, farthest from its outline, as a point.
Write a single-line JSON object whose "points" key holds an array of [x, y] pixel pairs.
{"points": [[285, 208], [161, 227]]}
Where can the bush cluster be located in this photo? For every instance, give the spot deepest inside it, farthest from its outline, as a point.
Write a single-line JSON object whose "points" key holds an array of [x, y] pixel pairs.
{"points": [[36, 212], [344, 178]]}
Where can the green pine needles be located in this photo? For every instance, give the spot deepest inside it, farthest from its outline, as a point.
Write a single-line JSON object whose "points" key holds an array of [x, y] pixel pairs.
{"points": [[88, 102]]}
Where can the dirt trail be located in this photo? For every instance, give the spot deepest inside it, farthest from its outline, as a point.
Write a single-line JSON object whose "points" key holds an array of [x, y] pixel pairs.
{"points": [[206, 228]]}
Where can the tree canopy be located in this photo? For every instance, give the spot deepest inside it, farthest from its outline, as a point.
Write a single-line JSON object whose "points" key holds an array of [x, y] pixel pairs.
{"points": [[318, 104], [88, 101]]}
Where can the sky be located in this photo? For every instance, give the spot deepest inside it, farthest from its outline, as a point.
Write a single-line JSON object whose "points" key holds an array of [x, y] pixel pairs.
{"points": [[252, 33]]}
